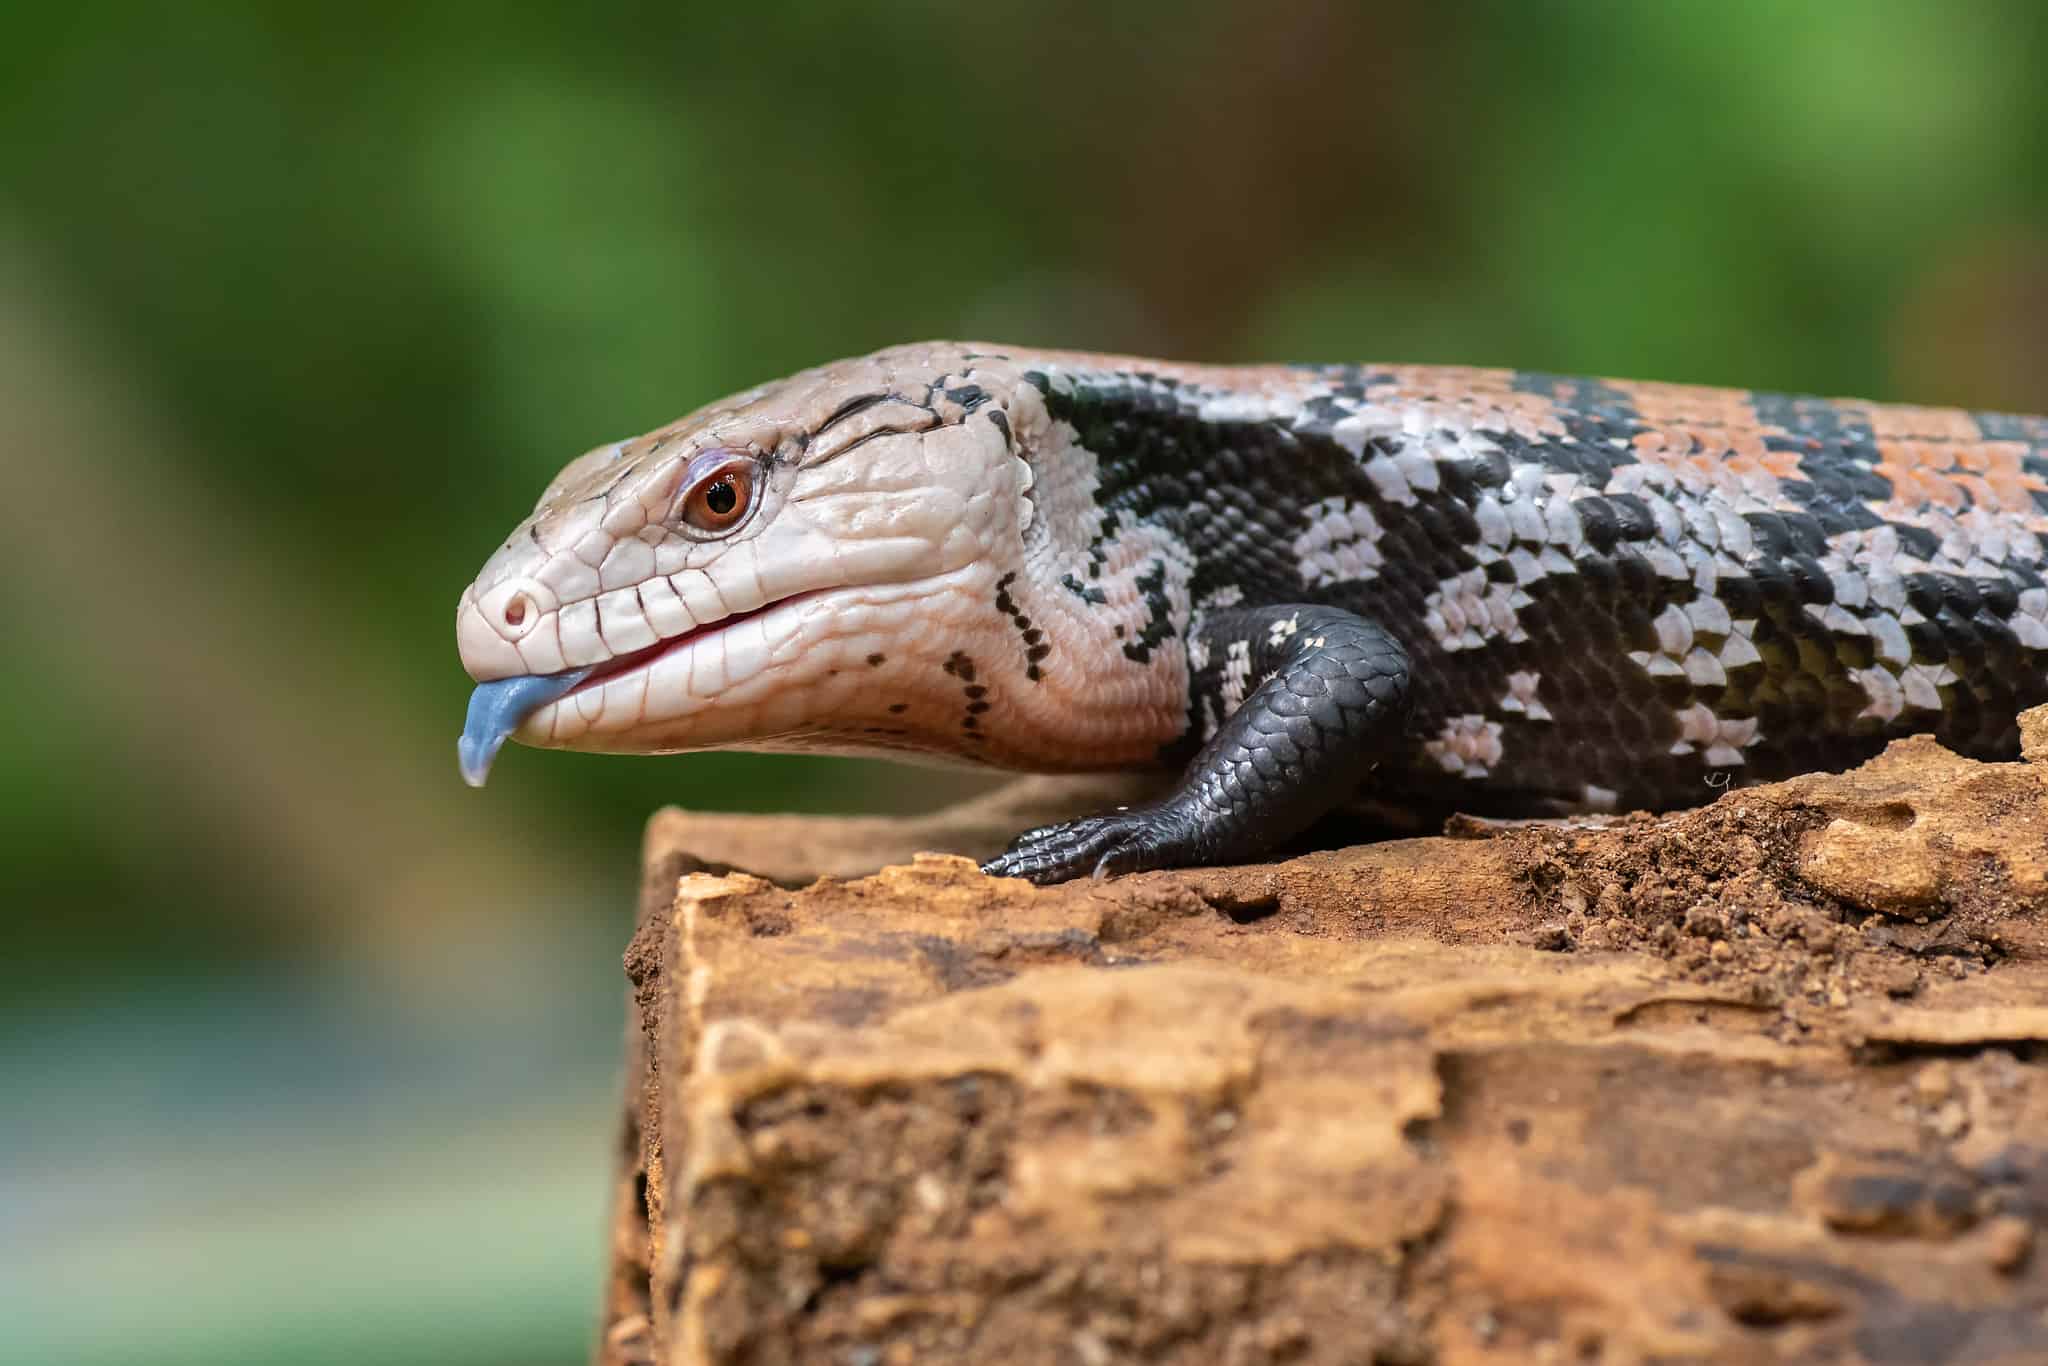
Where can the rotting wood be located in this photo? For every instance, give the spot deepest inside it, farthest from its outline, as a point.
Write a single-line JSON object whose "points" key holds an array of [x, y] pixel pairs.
{"points": [[1763, 1082]]}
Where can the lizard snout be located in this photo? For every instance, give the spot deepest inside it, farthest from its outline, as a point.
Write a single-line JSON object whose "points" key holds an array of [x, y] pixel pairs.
{"points": [[507, 629]]}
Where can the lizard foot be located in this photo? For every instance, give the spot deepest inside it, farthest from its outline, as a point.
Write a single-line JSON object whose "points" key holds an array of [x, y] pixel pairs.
{"points": [[1129, 840]]}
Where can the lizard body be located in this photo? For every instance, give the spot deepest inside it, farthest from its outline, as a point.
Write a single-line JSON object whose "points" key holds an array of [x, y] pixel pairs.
{"points": [[1487, 590]]}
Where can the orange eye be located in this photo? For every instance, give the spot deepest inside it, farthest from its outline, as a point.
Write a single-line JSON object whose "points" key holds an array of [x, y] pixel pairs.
{"points": [[719, 499]]}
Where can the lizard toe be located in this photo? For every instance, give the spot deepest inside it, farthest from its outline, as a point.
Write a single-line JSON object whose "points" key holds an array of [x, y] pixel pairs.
{"points": [[1126, 841]]}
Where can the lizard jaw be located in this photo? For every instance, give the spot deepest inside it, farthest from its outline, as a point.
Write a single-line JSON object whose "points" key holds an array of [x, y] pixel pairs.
{"points": [[498, 709]]}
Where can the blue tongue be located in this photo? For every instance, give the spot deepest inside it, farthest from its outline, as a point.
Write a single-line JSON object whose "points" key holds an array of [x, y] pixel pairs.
{"points": [[496, 709]]}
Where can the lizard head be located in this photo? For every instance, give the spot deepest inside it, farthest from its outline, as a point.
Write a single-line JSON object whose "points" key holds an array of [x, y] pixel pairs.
{"points": [[754, 574]]}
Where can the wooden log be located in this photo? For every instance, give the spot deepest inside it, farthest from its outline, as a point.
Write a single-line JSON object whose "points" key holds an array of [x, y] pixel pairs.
{"points": [[1764, 1082]]}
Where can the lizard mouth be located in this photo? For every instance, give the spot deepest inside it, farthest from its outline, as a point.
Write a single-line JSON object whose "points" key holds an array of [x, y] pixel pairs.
{"points": [[620, 665], [501, 706]]}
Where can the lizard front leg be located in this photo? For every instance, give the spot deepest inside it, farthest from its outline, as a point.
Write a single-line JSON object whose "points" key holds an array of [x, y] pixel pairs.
{"points": [[1330, 699]]}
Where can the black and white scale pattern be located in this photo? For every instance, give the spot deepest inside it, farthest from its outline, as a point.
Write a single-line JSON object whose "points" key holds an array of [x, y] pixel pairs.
{"points": [[1612, 595]]}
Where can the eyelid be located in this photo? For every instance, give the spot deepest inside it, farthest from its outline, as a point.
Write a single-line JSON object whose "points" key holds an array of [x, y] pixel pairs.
{"points": [[707, 463]]}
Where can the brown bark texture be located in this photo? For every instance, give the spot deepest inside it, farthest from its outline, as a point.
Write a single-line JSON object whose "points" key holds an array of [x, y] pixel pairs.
{"points": [[1762, 1082]]}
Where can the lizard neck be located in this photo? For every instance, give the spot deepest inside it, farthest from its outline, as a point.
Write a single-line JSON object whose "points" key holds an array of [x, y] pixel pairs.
{"points": [[1092, 614]]}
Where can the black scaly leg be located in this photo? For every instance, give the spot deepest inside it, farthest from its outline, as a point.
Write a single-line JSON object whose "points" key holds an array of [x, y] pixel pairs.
{"points": [[1333, 700]]}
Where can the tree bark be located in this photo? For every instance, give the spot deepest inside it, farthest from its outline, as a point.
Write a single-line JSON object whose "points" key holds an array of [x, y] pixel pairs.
{"points": [[1762, 1082]]}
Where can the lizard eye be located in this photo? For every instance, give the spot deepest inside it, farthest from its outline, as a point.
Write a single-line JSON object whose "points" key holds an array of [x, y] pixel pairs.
{"points": [[717, 493]]}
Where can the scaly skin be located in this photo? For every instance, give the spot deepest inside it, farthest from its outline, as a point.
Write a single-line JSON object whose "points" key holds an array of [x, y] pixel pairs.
{"points": [[1504, 592]]}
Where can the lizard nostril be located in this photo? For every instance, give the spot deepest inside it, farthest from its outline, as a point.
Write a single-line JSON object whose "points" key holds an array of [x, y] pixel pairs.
{"points": [[515, 611]]}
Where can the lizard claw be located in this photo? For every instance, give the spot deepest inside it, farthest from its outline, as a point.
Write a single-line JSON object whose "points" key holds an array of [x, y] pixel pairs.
{"points": [[1128, 841]]}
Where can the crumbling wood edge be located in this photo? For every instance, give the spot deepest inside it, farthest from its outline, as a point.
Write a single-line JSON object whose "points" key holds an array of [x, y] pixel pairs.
{"points": [[1765, 1082]]}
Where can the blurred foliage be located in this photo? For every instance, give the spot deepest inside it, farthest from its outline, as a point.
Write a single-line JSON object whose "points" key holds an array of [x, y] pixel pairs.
{"points": [[301, 305]]}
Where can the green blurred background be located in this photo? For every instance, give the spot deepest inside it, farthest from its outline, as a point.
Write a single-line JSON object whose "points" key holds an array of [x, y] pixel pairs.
{"points": [[308, 1053]]}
